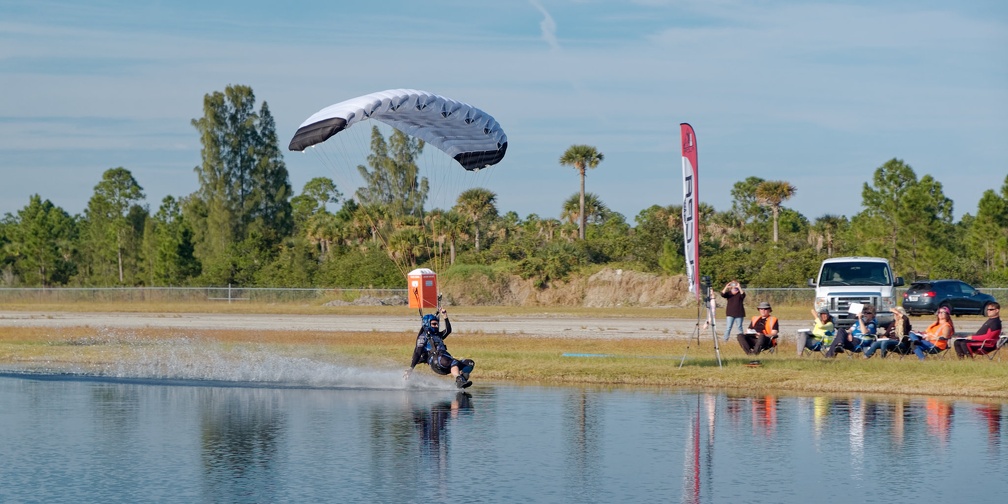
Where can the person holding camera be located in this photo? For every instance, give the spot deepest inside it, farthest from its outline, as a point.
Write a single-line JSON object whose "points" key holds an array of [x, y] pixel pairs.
{"points": [[735, 311]]}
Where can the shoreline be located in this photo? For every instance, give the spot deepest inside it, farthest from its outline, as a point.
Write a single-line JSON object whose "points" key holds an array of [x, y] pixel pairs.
{"points": [[542, 349]]}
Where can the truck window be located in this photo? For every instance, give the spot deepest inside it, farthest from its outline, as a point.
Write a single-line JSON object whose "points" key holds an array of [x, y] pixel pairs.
{"points": [[855, 274]]}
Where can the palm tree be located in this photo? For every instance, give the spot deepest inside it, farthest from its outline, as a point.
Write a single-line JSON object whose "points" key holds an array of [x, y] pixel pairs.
{"points": [[454, 229], [828, 225], [404, 245], [477, 204], [548, 227], [581, 157], [587, 207], [322, 229], [443, 226], [771, 193]]}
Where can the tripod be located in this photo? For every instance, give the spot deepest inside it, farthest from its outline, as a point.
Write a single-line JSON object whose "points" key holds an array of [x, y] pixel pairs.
{"points": [[710, 320]]}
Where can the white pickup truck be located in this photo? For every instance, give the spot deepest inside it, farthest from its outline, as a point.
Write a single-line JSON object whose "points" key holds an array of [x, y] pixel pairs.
{"points": [[846, 280]]}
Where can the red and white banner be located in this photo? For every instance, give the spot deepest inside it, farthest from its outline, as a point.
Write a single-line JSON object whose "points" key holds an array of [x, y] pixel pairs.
{"points": [[691, 207]]}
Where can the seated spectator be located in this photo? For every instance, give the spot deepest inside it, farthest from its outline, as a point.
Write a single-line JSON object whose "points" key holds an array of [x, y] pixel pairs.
{"points": [[820, 335], [935, 337], [762, 332], [896, 335], [988, 334], [861, 334]]}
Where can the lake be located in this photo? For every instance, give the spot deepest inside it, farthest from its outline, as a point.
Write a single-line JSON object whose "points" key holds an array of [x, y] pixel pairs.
{"points": [[349, 436]]}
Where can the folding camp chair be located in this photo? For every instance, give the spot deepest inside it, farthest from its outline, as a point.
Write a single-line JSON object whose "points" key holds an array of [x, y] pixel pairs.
{"points": [[934, 350], [819, 348], [773, 345], [902, 349], [948, 346], [886, 346], [865, 343], [991, 350], [1001, 342]]}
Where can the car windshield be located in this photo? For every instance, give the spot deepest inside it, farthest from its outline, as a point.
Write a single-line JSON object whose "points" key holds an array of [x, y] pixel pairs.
{"points": [[855, 273]]}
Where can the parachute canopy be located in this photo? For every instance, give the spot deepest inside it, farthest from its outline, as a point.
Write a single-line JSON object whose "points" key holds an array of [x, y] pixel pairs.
{"points": [[467, 134]]}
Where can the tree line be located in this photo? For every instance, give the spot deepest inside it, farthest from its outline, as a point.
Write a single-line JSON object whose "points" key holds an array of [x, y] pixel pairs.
{"points": [[245, 226]]}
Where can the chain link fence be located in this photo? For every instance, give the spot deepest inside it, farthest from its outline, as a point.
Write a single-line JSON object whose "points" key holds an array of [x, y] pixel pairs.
{"points": [[230, 294]]}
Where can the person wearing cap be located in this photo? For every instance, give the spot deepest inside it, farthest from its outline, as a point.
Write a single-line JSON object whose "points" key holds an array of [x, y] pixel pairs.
{"points": [[820, 335], [762, 332], [734, 309], [936, 337], [861, 334], [896, 335]]}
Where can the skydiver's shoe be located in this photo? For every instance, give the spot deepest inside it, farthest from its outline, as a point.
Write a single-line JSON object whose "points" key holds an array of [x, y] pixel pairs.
{"points": [[461, 382]]}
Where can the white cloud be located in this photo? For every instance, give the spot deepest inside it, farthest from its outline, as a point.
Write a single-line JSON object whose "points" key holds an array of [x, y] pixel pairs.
{"points": [[547, 26]]}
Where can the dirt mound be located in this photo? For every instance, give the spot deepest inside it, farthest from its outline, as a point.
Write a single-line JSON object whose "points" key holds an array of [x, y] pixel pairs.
{"points": [[607, 288], [394, 300]]}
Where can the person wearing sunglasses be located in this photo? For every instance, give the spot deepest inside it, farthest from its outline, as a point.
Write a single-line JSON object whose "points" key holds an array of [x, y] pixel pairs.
{"points": [[861, 334], [985, 338], [936, 337]]}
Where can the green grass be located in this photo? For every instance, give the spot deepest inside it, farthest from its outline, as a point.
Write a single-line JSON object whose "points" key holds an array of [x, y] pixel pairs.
{"points": [[628, 362]]}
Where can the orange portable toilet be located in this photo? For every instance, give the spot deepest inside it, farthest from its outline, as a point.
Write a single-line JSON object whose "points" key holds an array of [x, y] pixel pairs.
{"points": [[422, 290]]}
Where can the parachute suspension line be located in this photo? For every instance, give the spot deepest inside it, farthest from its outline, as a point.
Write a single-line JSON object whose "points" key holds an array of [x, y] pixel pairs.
{"points": [[337, 155], [447, 183]]}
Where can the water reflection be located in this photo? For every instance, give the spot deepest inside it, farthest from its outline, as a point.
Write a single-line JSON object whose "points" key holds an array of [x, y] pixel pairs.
{"points": [[939, 418], [147, 440], [991, 414], [583, 440], [240, 440], [432, 426], [883, 437]]}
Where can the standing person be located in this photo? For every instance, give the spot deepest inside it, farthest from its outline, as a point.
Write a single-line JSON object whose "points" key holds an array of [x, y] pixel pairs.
{"points": [[988, 334], [763, 329], [820, 335], [430, 348], [860, 333], [897, 335], [735, 311], [936, 336]]}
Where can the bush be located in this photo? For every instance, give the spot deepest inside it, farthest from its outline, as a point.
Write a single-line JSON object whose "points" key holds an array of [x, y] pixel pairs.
{"points": [[355, 269]]}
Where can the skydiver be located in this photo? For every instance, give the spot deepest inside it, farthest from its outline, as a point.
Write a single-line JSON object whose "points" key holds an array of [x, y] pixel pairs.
{"points": [[430, 348]]}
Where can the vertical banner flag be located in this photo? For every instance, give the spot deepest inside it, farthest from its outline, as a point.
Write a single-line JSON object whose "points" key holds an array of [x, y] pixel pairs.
{"points": [[691, 207]]}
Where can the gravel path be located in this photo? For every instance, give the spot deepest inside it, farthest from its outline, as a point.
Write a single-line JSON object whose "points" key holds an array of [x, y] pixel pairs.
{"points": [[554, 326]]}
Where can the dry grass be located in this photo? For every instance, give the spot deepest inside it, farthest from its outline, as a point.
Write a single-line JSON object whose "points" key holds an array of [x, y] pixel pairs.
{"points": [[551, 361]]}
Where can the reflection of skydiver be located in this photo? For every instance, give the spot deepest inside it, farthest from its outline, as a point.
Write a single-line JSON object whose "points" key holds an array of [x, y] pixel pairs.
{"points": [[432, 426], [430, 348]]}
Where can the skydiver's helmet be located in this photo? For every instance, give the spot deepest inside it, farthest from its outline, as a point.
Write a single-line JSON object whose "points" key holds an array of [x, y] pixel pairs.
{"points": [[430, 322]]}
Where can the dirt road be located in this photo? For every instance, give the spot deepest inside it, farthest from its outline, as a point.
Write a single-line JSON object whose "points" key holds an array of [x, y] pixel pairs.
{"points": [[552, 326]]}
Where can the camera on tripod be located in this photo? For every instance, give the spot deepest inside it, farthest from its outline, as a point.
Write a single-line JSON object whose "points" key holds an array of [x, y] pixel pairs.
{"points": [[705, 284]]}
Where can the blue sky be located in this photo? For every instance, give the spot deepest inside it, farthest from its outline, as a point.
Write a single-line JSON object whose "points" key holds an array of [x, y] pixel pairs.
{"points": [[818, 93]]}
